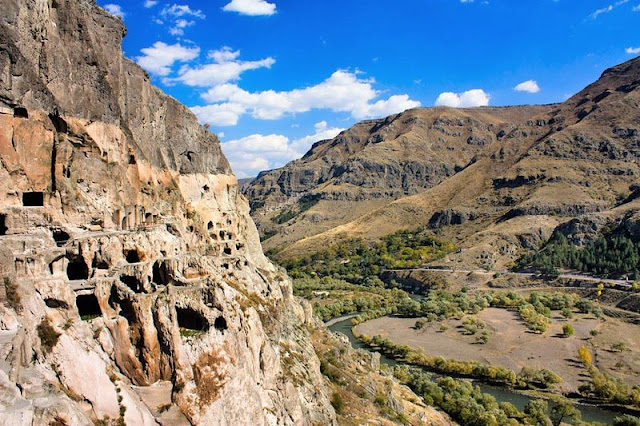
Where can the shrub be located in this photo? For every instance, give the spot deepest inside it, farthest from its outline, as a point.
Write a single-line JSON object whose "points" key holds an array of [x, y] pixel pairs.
{"points": [[48, 335], [567, 330], [337, 403], [626, 420], [619, 347]]}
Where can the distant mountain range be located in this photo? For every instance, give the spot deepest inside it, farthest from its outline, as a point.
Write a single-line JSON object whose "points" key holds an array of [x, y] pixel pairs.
{"points": [[494, 181]]}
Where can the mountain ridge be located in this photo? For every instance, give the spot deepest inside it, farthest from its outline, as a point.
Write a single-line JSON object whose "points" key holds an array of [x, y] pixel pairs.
{"points": [[547, 164]]}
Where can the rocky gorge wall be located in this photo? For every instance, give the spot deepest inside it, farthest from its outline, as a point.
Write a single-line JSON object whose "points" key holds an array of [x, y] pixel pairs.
{"points": [[136, 289]]}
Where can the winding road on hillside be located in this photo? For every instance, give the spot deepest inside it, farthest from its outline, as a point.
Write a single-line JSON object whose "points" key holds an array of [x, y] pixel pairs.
{"points": [[621, 283]]}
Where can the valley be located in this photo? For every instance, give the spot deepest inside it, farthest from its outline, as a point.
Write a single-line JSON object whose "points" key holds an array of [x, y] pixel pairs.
{"points": [[461, 264]]}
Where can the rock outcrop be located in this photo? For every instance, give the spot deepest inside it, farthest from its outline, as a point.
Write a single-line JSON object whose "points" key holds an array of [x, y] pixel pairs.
{"points": [[136, 289]]}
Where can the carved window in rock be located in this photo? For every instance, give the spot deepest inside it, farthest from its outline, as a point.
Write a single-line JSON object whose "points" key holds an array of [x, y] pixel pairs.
{"points": [[88, 306], [77, 268], [190, 319], [33, 199]]}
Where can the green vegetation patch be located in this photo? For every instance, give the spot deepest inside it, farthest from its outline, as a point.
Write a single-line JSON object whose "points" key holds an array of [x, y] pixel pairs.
{"points": [[360, 262], [610, 256], [468, 405]]}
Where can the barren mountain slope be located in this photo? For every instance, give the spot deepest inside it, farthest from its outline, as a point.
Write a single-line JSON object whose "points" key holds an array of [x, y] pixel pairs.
{"points": [[524, 171]]}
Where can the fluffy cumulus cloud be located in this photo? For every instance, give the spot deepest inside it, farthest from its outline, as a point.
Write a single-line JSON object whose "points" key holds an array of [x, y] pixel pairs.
{"points": [[159, 58], [470, 98], [343, 91], [150, 3], [226, 101], [254, 153], [632, 50], [529, 86], [114, 9], [251, 7], [225, 67]]}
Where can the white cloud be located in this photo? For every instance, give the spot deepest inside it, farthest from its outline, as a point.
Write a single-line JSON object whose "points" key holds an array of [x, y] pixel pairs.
{"points": [[150, 3], [529, 86], [636, 8], [342, 92], [225, 68], [226, 114], [179, 26], [178, 17], [251, 7], [632, 50], [180, 10], [322, 132], [470, 98], [115, 10], [254, 153], [608, 8], [159, 58]]}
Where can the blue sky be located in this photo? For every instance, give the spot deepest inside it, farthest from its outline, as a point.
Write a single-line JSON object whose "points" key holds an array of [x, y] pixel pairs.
{"points": [[273, 76]]}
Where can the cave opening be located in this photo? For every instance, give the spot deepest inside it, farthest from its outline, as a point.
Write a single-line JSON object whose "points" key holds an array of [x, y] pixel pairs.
{"points": [[55, 303], [88, 306], [220, 324], [59, 123], [132, 256], [227, 250], [99, 263], [60, 237], [33, 199], [77, 268], [20, 112], [209, 225], [191, 320], [160, 273], [133, 283], [3, 224]]}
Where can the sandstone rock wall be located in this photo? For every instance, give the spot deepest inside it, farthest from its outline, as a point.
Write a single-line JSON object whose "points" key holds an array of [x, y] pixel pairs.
{"points": [[136, 289]]}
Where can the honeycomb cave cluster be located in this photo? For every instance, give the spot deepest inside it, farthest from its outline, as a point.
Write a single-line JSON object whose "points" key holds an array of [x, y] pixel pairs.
{"points": [[135, 287]]}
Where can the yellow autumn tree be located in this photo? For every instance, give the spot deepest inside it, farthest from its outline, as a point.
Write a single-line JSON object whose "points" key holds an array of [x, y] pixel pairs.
{"points": [[585, 356]]}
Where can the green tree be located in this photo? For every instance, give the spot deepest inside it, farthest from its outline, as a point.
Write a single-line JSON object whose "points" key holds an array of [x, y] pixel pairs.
{"points": [[536, 412], [564, 411]]}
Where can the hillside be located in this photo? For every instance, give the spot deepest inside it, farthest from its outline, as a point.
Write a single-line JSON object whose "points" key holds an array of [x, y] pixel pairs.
{"points": [[493, 181]]}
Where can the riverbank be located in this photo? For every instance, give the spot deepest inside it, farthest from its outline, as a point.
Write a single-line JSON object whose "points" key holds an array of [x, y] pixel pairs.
{"points": [[511, 345], [519, 399]]}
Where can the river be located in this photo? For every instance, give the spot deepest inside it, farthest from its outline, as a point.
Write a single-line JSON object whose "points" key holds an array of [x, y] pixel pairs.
{"points": [[590, 413]]}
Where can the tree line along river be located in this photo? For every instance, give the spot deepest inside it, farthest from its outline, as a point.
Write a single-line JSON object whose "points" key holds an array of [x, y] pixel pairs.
{"points": [[590, 413]]}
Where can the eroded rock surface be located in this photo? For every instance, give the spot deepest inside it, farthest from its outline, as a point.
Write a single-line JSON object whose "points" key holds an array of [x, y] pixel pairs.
{"points": [[130, 258]]}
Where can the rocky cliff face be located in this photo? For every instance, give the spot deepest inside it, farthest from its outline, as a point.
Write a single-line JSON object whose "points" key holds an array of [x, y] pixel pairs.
{"points": [[491, 180], [136, 290]]}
